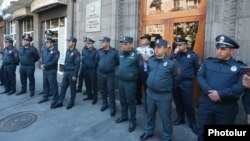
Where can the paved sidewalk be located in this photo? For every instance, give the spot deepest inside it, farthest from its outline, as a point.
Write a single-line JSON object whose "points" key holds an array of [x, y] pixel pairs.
{"points": [[84, 122]]}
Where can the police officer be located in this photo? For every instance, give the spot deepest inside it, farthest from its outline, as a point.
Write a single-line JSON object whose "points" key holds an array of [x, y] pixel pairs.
{"points": [[246, 96], [81, 73], [10, 61], [47, 34], [146, 51], [127, 74], [163, 76], [107, 59], [49, 66], [28, 57], [220, 79], [90, 74], [71, 70], [183, 94]]}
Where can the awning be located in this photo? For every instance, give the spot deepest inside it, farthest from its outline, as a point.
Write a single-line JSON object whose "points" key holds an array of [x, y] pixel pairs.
{"points": [[41, 5]]}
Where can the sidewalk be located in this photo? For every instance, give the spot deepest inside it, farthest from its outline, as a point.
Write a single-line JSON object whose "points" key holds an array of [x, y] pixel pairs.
{"points": [[84, 122]]}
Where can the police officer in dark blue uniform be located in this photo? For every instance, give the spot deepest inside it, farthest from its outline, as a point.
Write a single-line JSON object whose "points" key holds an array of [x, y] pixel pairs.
{"points": [[49, 65], [71, 70], [81, 73], [10, 61], [127, 74], [183, 94], [90, 65], [164, 74], [246, 96], [107, 59], [220, 79], [47, 34], [28, 57]]}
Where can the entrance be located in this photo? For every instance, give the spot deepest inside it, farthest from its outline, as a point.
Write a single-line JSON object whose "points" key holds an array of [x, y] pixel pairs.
{"points": [[176, 18]]}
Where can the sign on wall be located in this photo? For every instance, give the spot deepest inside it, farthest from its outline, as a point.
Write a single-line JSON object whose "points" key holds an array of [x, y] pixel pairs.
{"points": [[93, 16], [62, 44]]}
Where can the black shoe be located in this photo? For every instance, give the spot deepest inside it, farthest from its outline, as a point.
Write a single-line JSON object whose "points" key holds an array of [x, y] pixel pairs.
{"points": [[52, 105], [1, 84], [11, 92], [57, 105], [40, 93], [131, 127], [42, 100], [32, 94], [70, 105], [85, 93], [50, 95], [104, 107], [22, 92], [145, 136], [112, 112], [120, 119], [4, 92], [194, 128], [94, 101], [87, 98], [78, 90], [138, 102], [178, 122]]}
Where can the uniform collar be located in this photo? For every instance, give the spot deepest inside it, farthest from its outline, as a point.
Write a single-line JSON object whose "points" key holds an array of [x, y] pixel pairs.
{"points": [[229, 62], [161, 60]]}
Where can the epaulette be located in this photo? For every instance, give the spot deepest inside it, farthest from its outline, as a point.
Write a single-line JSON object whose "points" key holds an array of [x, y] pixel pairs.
{"points": [[241, 62]]}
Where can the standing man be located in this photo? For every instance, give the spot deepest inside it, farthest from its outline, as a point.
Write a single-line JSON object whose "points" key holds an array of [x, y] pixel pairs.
{"points": [[163, 76], [71, 69], [107, 59], [183, 94], [127, 74], [10, 61], [49, 65], [146, 51], [81, 73], [246, 96], [220, 79], [28, 57], [90, 65]]}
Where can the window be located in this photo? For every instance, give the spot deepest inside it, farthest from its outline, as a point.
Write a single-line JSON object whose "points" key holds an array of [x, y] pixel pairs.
{"points": [[13, 30], [28, 27]]}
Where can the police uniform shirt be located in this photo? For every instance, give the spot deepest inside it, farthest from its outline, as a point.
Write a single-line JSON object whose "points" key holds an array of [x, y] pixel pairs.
{"points": [[224, 76], [10, 56]]}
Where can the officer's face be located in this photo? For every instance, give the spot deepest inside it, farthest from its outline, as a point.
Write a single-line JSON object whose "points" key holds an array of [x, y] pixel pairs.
{"points": [[159, 51], [144, 42], [224, 53], [105, 44], [182, 47], [89, 45], [126, 46], [71, 44], [26, 42], [49, 44], [7, 44]]}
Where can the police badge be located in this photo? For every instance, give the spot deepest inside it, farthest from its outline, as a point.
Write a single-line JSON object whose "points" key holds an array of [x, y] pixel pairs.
{"points": [[188, 56], [233, 68], [72, 54], [51, 52], [165, 64]]}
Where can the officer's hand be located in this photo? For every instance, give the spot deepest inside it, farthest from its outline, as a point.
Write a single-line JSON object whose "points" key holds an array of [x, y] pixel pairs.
{"points": [[42, 67], [213, 95], [74, 78], [246, 80], [145, 57], [176, 50]]}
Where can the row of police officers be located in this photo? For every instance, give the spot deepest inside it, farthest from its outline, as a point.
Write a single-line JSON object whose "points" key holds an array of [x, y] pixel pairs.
{"points": [[162, 78]]}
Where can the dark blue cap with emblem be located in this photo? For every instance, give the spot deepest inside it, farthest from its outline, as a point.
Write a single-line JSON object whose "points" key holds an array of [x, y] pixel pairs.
{"points": [[48, 32], [91, 41], [107, 39], [72, 38], [146, 36], [8, 39], [161, 42], [180, 40], [27, 37], [222, 41], [127, 39], [49, 39]]}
